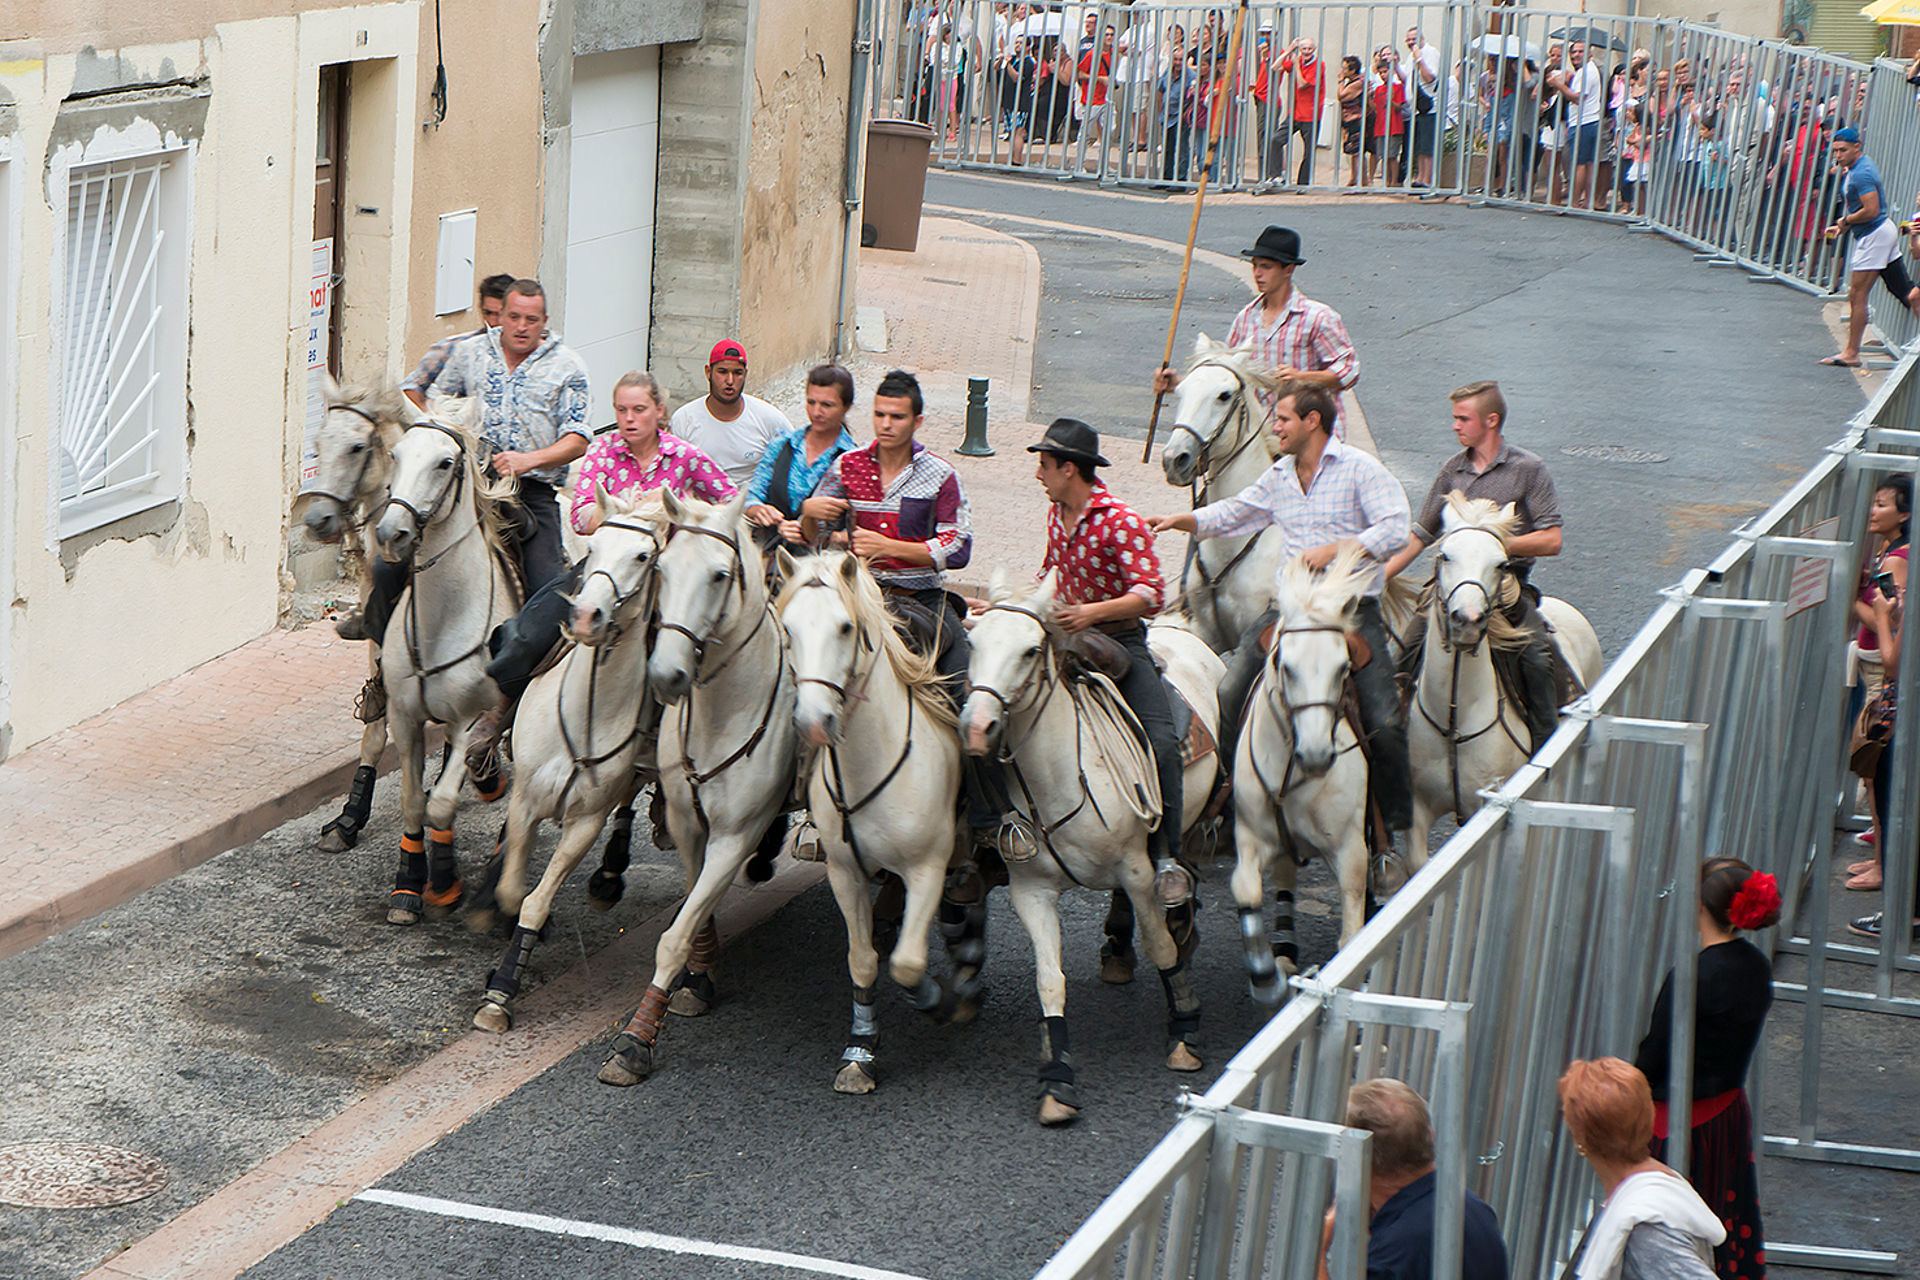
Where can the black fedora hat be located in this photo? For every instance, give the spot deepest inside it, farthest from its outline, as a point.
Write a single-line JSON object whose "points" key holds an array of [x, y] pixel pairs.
{"points": [[1071, 438], [1277, 244]]}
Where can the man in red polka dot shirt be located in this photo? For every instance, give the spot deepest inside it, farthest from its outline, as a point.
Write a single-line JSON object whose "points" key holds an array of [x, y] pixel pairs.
{"points": [[1110, 580]]}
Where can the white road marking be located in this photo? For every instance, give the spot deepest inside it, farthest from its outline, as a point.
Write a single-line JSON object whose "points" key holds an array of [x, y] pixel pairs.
{"points": [[627, 1236]]}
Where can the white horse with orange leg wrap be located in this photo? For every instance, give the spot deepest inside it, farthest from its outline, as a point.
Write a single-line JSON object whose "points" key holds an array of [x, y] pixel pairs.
{"points": [[885, 782], [1090, 819], [726, 753], [434, 656]]}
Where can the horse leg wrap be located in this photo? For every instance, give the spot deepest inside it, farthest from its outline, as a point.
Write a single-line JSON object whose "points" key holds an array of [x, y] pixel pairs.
{"points": [[1183, 1005], [705, 950], [1282, 938], [412, 876], [1263, 975], [926, 997], [865, 1022], [618, 855], [647, 1020], [1056, 1066], [443, 868], [505, 981], [353, 814], [963, 926], [1118, 927]]}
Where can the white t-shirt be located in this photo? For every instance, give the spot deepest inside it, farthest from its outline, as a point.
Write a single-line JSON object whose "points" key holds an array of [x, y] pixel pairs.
{"points": [[1593, 101], [734, 446]]}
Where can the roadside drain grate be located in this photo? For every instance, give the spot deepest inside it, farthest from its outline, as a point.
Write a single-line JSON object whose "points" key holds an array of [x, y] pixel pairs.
{"points": [[1412, 226], [1132, 295], [76, 1175], [1612, 453]]}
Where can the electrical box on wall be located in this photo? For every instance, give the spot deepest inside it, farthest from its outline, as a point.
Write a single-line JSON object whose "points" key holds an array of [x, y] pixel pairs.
{"points": [[453, 282]]}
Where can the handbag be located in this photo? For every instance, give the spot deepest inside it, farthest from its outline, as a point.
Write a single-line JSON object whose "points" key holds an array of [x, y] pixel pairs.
{"points": [[1872, 733]]}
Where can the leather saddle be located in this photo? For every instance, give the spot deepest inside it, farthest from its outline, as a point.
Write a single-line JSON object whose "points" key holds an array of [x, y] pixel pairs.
{"points": [[1095, 651], [918, 627]]}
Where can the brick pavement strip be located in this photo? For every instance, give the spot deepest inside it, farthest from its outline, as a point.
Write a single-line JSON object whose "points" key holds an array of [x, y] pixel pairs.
{"points": [[171, 777]]}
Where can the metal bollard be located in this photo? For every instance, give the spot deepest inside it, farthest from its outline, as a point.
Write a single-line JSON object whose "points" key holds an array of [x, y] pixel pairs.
{"points": [[975, 445]]}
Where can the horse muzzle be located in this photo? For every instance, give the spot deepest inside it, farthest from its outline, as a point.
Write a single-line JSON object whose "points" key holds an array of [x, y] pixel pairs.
{"points": [[982, 728], [395, 537], [321, 517], [671, 678], [589, 625], [1180, 462], [1466, 630], [817, 726]]}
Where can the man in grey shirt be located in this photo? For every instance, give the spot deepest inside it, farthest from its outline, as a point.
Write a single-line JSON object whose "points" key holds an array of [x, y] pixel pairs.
{"points": [[1488, 467]]}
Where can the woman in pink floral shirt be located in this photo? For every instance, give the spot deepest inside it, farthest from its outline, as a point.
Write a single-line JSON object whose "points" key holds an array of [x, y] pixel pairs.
{"points": [[637, 456]]}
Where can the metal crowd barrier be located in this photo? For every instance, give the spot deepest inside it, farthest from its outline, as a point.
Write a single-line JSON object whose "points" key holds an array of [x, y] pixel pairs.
{"points": [[1541, 931], [1717, 140]]}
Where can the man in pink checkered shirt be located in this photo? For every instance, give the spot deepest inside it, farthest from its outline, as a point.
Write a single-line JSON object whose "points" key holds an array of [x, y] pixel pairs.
{"points": [[1299, 339]]}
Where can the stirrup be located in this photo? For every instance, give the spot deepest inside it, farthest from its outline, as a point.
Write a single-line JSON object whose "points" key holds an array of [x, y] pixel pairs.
{"points": [[803, 842], [370, 704], [1015, 840], [1172, 883]]}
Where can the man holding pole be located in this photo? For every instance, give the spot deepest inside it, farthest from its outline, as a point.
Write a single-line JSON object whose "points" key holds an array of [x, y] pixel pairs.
{"points": [[1299, 339]]}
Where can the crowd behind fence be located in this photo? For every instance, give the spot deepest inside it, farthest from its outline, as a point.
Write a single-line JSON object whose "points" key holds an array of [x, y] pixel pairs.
{"points": [[1719, 140], [1540, 932]]}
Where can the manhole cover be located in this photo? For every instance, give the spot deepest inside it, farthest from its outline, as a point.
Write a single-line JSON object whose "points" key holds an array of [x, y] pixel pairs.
{"points": [[1132, 295], [1612, 453], [76, 1175], [1411, 226]]}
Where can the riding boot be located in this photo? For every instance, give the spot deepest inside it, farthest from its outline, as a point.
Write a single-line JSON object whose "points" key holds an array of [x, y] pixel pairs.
{"points": [[483, 756], [1391, 774], [1243, 669], [1539, 690]]}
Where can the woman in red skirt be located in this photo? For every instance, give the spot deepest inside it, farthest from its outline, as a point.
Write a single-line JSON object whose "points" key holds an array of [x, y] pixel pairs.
{"points": [[1735, 988]]}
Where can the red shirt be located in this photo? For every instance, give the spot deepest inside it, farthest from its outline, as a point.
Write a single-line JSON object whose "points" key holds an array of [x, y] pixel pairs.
{"points": [[1308, 94], [1099, 86], [1108, 554], [1389, 118]]}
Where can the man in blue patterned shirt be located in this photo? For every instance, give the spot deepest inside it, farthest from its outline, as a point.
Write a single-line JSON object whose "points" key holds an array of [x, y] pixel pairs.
{"points": [[493, 299], [793, 465]]}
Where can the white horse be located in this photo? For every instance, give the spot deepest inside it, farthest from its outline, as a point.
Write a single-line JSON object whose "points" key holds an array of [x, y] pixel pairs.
{"points": [[353, 457], [1299, 777], [433, 660], [726, 760], [1218, 447], [885, 780], [1084, 784], [580, 737], [1463, 731]]}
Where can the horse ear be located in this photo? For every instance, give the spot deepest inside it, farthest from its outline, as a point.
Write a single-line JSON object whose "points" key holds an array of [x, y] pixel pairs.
{"points": [[602, 500], [784, 558], [671, 505], [329, 388], [1455, 510], [737, 504], [1201, 343], [1049, 590], [997, 589], [1506, 512], [850, 568]]}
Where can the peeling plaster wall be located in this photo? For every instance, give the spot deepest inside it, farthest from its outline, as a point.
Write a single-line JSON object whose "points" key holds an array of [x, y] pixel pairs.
{"points": [[793, 224]]}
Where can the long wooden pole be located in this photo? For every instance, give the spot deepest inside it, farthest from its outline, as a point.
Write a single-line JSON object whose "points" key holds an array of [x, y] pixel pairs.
{"points": [[1216, 120]]}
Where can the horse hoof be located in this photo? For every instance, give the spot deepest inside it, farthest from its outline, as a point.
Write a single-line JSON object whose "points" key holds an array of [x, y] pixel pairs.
{"points": [[688, 1003], [853, 1078], [604, 889], [403, 907], [965, 1009], [481, 919], [1181, 1058], [630, 1062], [1054, 1113], [493, 1017], [1116, 970], [442, 902], [334, 840]]}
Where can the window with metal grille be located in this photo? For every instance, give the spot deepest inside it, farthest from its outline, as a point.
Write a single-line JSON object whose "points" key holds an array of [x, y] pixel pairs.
{"points": [[122, 402]]}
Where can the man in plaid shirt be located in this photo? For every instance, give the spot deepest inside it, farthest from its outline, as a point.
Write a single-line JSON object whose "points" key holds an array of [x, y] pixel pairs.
{"points": [[1322, 494], [1109, 579], [1299, 339]]}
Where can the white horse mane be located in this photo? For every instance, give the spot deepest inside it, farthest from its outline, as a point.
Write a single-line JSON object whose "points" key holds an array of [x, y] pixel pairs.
{"points": [[861, 596], [1241, 360], [1324, 598], [1483, 514]]}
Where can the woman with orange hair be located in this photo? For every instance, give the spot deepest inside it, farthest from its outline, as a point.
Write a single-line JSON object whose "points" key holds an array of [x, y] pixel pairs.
{"points": [[1731, 996], [1653, 1225]]}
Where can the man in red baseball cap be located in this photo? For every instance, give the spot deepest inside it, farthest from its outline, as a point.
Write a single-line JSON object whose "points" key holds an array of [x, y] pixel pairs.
{"points": [[728, 425]]}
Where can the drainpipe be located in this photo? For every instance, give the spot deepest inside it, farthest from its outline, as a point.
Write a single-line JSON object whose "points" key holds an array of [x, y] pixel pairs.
{"points": [[856, 165]]}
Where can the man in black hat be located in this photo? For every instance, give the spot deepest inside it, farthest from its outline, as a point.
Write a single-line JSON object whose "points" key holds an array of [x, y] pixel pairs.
{"points": [[1109, 579], [1299, 339]]}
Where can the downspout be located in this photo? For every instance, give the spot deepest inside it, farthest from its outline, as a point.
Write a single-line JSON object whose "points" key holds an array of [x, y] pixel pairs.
{"points": [[856, 160]]}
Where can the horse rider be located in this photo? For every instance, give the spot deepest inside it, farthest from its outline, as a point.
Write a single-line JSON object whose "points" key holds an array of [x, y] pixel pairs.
{"points": [[1487, 466], [1323, 494], [632, 458], [1109, 581], [493, 300], [911, 523], [792, 466], [1299, 339], [533, 415], [728, 425]]}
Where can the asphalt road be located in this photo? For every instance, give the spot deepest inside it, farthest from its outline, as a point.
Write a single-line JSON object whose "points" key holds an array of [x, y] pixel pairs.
{"points": [[217, 1017]]}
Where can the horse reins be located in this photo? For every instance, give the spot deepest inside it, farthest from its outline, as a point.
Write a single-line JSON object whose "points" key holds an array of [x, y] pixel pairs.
{"points": [[347, 505], [410, 629], [586, 761]]}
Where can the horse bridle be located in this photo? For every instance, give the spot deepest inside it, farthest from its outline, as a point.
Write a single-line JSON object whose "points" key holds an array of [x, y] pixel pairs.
{"points": [[450, 490], [1504, 569], [621, 598], [1294, 708], [348, 503], [1238, 405], [852, 676], [739, 574], [1042, 685]]}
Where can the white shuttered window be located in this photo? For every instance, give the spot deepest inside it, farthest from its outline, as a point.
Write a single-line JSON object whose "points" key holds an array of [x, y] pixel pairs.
{"points": [[123, 370]]}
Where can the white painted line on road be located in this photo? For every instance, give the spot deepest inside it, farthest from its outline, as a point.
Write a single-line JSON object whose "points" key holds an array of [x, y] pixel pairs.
{"points": [[627, 1235]]}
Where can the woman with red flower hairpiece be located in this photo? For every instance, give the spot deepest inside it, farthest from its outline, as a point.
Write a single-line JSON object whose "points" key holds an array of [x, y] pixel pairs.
{"points": [[1734, 989]]}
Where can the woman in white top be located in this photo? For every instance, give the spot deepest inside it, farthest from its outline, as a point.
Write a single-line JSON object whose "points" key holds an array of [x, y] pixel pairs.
{"points": [[1653, 1226]]}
